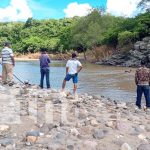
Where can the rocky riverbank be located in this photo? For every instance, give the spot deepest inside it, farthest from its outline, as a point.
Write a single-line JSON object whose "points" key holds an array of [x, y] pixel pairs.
{"points": [[36, 119], [132, 58]]}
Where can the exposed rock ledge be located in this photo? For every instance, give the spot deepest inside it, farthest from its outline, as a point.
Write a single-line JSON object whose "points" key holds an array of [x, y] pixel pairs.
{"points": [[132, 58], [32, 118]]}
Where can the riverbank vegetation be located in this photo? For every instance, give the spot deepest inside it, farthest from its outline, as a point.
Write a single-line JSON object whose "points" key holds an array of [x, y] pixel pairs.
{"points": [[98, 29]]}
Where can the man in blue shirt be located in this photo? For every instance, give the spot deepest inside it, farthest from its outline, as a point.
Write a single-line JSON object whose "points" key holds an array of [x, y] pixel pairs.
{"points": [[44, 65]]}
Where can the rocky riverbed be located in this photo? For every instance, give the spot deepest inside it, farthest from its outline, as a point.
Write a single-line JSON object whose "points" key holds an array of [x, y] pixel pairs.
{"points": [[40, 119]]}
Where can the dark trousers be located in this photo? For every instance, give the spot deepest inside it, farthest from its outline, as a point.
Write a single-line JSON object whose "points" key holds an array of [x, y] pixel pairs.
{"points": [[45, 72], [140, 90]]}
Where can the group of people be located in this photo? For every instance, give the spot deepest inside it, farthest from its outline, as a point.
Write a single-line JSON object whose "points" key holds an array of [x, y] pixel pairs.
{"points": [[73, 67]]}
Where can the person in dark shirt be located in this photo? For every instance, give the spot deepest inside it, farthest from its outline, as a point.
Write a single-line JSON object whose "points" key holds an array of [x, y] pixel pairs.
{"points": [[142, 80], [44, 67]]}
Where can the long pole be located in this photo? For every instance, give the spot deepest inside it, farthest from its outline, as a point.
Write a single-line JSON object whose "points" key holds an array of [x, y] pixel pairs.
{"points": [[16, 77]]}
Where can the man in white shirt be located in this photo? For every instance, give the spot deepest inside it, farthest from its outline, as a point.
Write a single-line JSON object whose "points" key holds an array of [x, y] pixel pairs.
{"points": [[8, 63], [73, 67]]}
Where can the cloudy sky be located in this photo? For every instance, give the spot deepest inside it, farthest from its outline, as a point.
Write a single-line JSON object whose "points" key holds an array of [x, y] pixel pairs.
{"points": [[20, 10]]}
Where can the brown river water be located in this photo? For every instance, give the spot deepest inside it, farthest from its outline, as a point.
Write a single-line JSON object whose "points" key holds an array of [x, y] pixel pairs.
{"points": [[115, 83]]}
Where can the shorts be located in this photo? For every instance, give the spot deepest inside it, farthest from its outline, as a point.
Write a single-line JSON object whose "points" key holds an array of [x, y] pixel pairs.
{"points": [[73, 76]]}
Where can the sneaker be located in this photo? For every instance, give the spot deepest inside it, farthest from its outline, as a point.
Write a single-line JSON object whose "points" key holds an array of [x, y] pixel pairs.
{"points": [[4, 83], [137, 108], [11, 84], [144, 108]]}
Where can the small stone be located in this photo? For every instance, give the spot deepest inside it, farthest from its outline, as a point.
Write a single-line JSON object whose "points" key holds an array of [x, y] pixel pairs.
{"points": [[54, 91], [24, 113], [74, 131], [48, 136], [142, 137], [142, 127], [144, 147], [31, 139], [125, 146], [40, 96], [60, 136], [98, 134], [51, 126], [82, 115], [5, 142], [49, 97], [70, 147], [90, 145], [122, 105], [11, 147], [44, 129], [94, 123], [147, 128], [113, 117], [4, 128], [28, 143], [33, 133], [123, 125], [87, 122], [134, 131], [57, 101], [70, 97], [111, 124]]}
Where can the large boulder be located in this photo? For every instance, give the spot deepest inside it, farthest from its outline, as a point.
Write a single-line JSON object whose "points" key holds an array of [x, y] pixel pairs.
{"points": [[148, 47], [137, 45], [144, 147], [136, 54], [132, 57], [143, 45], [146, 39]]}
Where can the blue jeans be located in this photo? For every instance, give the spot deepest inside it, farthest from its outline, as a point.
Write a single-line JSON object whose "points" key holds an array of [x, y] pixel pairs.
{"points": [[45, 72], [140, 90]]}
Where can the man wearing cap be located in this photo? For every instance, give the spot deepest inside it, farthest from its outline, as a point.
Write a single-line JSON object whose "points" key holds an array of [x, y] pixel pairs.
{"points": [[73, 67], [8, 63]]}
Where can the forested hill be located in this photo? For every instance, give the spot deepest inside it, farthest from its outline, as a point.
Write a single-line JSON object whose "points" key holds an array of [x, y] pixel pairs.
{"points": [[78, 33]]}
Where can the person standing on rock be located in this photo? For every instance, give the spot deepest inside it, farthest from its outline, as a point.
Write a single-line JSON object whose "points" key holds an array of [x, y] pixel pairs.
{"points": [[8, 63], [44, 66], [142, 80], [73, 67]]}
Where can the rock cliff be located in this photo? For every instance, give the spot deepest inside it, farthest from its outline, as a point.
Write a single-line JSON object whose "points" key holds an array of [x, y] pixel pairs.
{"points": [[132, 58]]}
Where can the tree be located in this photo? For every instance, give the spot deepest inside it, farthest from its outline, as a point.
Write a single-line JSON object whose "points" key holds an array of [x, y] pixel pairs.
{"points": [[144, 5]]}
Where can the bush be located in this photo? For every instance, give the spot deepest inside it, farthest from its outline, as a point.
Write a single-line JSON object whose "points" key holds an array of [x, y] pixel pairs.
{"points": [[127, 37]]}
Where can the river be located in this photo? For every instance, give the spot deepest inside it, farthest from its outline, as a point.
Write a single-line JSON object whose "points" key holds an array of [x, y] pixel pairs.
{"points": [[112, 82]]}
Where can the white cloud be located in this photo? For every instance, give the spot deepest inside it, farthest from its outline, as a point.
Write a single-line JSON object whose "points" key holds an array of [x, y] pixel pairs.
{"points": [[75, 9], [16, 10], [125, 8]]}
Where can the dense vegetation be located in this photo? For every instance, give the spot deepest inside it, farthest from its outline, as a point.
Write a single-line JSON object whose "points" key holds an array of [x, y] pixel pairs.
{"points": [[79, 33]]}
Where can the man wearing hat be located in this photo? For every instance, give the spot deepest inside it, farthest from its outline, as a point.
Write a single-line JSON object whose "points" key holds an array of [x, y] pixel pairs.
{"points": [[8, 63]]}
